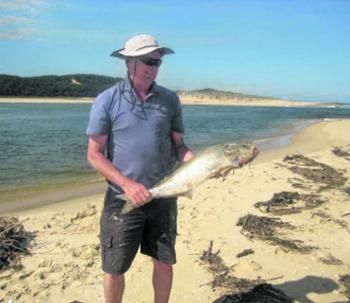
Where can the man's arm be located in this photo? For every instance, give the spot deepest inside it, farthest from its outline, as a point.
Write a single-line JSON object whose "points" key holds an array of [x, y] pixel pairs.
{"points": [[183, 153], [137, 192]]}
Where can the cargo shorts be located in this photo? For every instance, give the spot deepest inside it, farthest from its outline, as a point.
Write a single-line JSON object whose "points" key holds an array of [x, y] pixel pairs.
{"points": [[152, 227]]}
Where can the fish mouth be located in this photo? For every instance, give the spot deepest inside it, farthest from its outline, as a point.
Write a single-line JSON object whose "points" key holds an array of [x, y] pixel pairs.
{"points": [[243, 153], [254, 151]]}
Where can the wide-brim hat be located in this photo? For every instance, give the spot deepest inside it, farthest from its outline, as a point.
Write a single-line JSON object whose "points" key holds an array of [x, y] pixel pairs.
{"points": [[140, 45]]}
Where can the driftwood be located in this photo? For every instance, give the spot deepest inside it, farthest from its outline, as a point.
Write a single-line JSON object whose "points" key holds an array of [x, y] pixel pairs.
{"points": [[223, 275]]}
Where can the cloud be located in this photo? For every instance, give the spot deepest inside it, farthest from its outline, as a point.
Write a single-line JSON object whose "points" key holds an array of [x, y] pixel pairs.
{"points": [[16, 35], [21, 5], [18, 18], [9, 20]]}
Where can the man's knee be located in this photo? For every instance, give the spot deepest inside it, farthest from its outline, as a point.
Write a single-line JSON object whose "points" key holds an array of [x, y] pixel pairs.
{"points": [[113, 278], [162, 266]]}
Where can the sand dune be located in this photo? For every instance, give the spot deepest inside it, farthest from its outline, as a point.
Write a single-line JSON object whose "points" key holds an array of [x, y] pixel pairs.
{"points": [[65, 261]]}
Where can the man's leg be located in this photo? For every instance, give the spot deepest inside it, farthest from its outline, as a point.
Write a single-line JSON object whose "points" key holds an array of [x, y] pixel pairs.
{"points": [[114, 288], [162, 281]]}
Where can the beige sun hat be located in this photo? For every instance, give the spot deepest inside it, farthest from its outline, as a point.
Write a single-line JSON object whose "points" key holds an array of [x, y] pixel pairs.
{"points": [[140, 45]]}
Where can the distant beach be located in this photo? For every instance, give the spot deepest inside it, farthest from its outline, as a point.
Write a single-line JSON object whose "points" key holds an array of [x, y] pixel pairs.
{"points": [[189, 99]]}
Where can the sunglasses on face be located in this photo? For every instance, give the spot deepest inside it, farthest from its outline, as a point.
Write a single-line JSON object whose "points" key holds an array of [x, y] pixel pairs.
{"points": [[151, 61]]}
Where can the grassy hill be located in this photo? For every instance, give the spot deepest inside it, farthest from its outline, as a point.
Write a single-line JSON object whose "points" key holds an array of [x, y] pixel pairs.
{"points": [[89, 85], [75, 85]]}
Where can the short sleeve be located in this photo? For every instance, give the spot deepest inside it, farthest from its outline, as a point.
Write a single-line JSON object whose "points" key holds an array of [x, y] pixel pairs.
{"points": [[99, 122], [177, 122]]}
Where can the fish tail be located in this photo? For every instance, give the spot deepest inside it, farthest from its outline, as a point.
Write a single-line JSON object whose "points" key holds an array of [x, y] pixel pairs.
{"points": [[128, 206]]}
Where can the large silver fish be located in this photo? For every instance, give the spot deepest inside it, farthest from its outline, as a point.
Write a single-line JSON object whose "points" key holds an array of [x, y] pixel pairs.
{"points": [[215, 161]]}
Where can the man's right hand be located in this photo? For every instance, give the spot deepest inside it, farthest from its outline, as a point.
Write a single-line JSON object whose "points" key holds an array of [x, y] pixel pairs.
{"points": [[136, 192]]}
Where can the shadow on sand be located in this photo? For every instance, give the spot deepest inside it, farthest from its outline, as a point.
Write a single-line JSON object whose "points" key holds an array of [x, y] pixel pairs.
{"points": [[299, 289]]}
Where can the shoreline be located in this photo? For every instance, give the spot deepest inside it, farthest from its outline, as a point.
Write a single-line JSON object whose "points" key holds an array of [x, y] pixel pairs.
{"points": [[45, 198], [185, 100], [270, 150]]}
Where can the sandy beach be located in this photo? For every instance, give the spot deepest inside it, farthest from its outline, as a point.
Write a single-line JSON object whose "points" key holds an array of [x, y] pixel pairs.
{"points": [[296, 237], [187, 99]]}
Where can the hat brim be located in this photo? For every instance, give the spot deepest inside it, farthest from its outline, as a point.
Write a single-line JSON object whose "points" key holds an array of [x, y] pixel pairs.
{"points": [[121, 53]]}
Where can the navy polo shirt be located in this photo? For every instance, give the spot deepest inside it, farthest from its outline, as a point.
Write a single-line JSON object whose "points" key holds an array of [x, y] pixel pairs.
{"points": [[139, 132]]}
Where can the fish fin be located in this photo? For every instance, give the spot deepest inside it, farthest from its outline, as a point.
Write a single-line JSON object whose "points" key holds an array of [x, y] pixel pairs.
{"points": [[188, 194]]}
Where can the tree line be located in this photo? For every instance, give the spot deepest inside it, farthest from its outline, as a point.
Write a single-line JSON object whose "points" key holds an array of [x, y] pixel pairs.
{"points": [[75, 85]]}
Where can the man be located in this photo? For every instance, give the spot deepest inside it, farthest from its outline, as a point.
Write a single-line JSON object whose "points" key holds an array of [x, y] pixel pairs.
{"points": [[135, 132]]}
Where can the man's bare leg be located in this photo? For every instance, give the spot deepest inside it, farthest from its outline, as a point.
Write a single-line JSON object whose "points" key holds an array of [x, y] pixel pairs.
{"points": [[114, 288], [162, 281]]}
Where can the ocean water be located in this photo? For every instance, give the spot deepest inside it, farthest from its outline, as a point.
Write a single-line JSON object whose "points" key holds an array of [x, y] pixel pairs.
{"points": [[43, 146]]}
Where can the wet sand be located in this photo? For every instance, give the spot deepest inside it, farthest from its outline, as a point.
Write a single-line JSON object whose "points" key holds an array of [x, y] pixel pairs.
{"points": [[65, 261]]}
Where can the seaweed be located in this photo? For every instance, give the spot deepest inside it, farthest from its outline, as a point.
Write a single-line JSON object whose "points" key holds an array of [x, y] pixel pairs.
{"points": [[330, 260], [345, 281], [286, 203], [223, 276], [268, 230], [316, 172], [326, 217], [14, 241], [245, 252], [341, 152]]}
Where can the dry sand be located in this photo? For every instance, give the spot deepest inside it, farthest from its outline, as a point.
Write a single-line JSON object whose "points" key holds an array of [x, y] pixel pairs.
{"points": [[65, 262], [185, 99]]}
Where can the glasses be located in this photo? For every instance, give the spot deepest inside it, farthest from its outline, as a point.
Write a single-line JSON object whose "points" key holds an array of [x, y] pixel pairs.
{"points": [[151, 61]]}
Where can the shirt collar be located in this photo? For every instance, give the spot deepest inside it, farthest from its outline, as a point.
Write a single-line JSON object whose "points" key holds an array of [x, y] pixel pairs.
{"points": [[153, 91]]}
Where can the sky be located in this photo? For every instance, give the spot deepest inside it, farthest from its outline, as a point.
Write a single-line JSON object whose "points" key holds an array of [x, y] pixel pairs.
{"points": [[292, 49]]}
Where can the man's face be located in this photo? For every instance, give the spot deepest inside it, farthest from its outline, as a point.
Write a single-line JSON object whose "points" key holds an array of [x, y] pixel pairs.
{"points": [[147, 67]]}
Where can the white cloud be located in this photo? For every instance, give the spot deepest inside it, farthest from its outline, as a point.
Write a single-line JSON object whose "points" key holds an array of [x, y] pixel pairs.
{"points": [[17, 34], [20, 4], [17, 18], [8, 20]]}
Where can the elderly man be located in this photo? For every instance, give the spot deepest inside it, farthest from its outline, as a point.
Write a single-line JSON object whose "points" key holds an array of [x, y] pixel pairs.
{"points": [[135, 135]]}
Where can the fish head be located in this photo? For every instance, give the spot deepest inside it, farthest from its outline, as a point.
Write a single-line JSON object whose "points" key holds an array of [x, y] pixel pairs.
{"points": [[239, 154]]}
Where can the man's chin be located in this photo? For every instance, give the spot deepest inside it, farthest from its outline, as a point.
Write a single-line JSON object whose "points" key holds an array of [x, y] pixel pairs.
{"points": [[149, 80]]}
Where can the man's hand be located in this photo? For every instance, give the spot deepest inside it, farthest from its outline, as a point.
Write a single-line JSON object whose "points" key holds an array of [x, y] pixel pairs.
{"points": [[136, 192], [185, 154]]}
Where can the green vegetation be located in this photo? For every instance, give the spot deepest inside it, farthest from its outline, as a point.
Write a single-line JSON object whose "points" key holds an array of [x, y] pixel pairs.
{"points": [[76, 85], [85, 85]]}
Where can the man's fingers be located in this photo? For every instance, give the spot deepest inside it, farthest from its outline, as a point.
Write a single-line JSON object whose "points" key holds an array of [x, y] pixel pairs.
{"points": [[141, 197]]}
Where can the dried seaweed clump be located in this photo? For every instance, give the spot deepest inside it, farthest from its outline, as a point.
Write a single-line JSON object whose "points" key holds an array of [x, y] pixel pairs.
{"points": [[267, 229], [289, 202], [14, 241], [342, 152], [261, 227], [223, 276], [316, 172], [330, 260], [345, 281]]}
